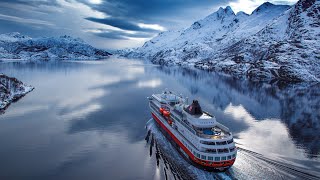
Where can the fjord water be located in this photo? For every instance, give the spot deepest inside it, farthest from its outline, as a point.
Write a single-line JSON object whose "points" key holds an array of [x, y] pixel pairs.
{"points": [[87, 120]]}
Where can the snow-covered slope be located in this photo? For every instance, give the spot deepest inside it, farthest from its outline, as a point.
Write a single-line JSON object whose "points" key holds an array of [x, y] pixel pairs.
{"points": [[11, 89], [17, 46], [274, 42]]}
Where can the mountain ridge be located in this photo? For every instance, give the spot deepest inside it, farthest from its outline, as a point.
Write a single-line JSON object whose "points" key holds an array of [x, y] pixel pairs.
{"points": [[273, 42], [17, 46]]}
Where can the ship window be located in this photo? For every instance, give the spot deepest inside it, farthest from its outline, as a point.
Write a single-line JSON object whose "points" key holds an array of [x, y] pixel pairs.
{"points": [[198, 155], [220, 150], [234, 155], [230, 141], [221, 143], [223, 158], [229, 157], [232, 149], [210, 158], [203, 157], [212, 150], [217, 158], [208, 143], [226, 150]]}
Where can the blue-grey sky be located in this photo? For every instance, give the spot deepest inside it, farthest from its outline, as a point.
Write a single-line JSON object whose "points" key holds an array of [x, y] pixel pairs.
{"points": [[111, 24]]}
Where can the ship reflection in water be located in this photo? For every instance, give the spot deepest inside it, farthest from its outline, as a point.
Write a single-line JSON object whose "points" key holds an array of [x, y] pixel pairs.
{"points": [[86, 120]]}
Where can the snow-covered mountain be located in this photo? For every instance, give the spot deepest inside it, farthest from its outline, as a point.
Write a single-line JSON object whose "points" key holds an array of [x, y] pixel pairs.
{"points": [[11, 89], [274, 42], [17, 46]]}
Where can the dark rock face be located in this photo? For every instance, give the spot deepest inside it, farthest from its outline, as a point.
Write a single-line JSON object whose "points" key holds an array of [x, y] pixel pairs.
{"points": [[102, 53], [283, 59], [196, 25], [11, 89], [305, 4], [289, 74]]}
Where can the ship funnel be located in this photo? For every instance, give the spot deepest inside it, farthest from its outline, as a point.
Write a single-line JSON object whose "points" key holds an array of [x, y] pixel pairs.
{"points": [[194, 108]]}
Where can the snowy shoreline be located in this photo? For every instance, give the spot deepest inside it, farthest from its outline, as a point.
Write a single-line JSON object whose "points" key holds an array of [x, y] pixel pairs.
{"points": [[11, 90]]}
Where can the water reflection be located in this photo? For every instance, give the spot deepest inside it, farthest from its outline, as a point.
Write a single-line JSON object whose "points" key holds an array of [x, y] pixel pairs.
{"points": [[292, 110], [85, 116], [153, 83]]}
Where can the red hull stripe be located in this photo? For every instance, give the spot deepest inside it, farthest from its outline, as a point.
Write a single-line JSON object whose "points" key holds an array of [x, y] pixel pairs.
{"points": [[192, 157]]}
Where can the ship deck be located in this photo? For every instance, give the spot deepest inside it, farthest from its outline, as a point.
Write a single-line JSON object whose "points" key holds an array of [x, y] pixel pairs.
{"points": [[207, 133]]}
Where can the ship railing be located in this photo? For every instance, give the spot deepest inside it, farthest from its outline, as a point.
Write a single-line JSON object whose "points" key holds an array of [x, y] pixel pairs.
{"points": [[207, 113], [184, 124], [177, 95], [224, 128]]}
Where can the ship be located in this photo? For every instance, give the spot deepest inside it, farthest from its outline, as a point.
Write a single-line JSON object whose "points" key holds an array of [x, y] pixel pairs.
{"points": [[195, 133]]}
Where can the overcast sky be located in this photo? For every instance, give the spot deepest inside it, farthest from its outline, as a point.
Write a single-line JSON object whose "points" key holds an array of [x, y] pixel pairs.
{"points": [[111, 24]]}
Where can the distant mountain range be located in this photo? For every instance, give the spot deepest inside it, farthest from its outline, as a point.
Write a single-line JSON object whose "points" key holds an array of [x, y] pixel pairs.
{"points": [[18, 46], [275, 42]]}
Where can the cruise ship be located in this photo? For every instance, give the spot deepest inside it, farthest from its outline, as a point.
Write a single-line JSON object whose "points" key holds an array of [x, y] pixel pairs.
{"points": [[196, 133]]}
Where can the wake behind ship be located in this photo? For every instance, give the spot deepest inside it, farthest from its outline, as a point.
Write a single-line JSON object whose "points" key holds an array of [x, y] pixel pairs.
{"points": [[195, 133]]}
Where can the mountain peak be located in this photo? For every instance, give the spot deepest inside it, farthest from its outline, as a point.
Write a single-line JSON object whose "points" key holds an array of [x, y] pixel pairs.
{"points": [[224, 11], [228, 9], [13, 36], [267, 6], [263, 7]]}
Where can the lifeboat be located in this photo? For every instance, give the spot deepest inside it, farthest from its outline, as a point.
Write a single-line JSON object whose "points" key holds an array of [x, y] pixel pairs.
{"points": [[161, 110], [166, 113]]}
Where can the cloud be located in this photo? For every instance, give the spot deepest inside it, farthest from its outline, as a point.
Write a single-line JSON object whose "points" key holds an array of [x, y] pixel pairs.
{"points": [[24, 20], [159, 11], [152, 83], [95, 1], [33, 2], [127, 25], [119, 34], [81, 9], [152, 26]]}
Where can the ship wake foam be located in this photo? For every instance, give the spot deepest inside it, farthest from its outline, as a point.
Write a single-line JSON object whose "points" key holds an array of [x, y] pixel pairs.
{"points": [[249, 164]]}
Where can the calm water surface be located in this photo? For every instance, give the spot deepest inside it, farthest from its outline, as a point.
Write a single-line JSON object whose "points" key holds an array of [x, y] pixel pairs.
{"points": [[87, 120]]}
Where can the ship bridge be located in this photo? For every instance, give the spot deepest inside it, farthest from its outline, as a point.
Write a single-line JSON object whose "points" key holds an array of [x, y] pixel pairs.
{"points": [[168, 97]]}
